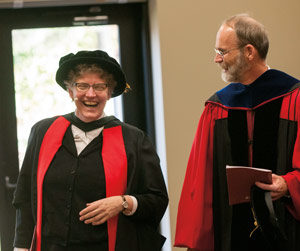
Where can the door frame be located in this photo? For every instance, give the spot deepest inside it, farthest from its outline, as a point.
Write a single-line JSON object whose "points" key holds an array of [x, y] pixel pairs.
{"points": [[132, 20]]}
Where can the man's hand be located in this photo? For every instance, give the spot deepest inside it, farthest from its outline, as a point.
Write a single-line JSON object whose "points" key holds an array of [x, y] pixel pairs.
{"points": [[278, 187], [100, 211]]}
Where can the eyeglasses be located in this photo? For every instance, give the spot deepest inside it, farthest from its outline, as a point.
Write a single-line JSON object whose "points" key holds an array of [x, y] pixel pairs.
{"points": [[223, 53], [84, 87]]}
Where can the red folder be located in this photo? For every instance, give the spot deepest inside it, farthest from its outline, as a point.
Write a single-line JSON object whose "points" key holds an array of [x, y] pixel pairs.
{"points": [[240, 179]]}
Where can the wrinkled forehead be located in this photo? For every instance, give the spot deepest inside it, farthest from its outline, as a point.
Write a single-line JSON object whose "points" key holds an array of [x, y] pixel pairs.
{"points": [[226, 38]]}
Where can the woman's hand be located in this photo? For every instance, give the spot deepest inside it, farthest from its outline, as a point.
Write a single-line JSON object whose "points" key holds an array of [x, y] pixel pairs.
{"points": [[100, 211], [21, 249], [278, 188]]}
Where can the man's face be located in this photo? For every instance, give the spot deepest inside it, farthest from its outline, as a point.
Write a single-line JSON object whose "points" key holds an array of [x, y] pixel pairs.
{"points": [[232, 61]]}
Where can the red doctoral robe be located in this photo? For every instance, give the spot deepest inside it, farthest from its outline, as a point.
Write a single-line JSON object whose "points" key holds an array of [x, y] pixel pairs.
{"points": [[196, 225]]}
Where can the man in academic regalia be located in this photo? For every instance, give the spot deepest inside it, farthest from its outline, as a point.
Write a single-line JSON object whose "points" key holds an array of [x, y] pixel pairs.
{"points": [[254, 121]]}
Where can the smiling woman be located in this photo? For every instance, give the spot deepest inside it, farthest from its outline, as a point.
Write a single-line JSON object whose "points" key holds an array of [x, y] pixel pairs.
{"points": [[33, 40], [104, 174], [91, 102]]}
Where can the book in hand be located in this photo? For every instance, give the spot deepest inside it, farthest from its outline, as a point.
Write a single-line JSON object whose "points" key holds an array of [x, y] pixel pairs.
{"points": [[240, 179]]}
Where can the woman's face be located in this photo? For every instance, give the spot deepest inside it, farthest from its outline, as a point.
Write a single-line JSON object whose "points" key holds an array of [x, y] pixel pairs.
{"points": [[90, 104]]}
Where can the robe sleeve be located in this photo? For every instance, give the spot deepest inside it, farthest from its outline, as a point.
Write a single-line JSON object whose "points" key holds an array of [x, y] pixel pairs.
{"points": [[194, 227], [152, 194], [293, 178]]}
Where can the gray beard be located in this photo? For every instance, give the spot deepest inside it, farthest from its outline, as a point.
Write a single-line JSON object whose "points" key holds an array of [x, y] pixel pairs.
{"points": [[235, 71]]}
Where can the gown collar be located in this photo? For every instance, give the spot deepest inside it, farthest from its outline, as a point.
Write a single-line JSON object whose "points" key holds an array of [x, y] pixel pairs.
{"points": [[270, 84], [86, 127]]}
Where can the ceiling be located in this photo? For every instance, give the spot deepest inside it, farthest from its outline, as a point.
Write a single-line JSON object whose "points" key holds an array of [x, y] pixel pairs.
{"points": [[48, 3]]}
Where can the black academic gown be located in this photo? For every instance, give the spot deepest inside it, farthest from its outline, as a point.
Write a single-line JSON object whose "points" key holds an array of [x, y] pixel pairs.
{"points": [[144, 181]]}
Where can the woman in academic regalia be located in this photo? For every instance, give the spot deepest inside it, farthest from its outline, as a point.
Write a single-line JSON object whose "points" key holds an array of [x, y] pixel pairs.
{"points": [[89, 181]]}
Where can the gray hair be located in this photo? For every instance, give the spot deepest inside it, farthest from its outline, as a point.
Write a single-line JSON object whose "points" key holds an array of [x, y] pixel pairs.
{"points": [[250, 31], [80, 69]]}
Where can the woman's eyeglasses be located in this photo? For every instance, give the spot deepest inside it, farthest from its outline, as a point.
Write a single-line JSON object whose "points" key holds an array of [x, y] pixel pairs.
{"points": [[84, 87]]}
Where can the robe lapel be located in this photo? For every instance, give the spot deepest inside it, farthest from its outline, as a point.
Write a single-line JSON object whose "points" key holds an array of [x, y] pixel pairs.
{"points": [[50, 145], [115, 169]]}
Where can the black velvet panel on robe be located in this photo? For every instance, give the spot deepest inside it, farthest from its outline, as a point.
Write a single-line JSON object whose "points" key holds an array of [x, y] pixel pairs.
{"points": [[265, 137], [233, 224]]}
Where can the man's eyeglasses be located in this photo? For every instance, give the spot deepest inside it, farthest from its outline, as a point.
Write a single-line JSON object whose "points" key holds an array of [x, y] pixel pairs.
{"points": [[84, 87], [223, 53]]}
